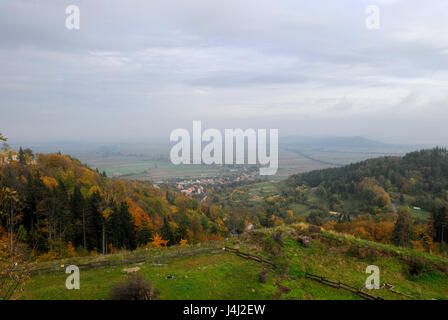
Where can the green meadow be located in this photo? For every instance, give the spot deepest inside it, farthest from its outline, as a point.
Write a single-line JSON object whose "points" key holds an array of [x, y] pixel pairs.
{"points": [[228, 276]]}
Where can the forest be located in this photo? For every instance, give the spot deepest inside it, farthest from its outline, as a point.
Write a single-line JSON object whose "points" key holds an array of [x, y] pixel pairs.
{"points": [[373, 198], [421, 174], [52, 206]]}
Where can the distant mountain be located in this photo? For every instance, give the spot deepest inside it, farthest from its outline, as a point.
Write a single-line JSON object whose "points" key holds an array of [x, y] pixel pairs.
{"points": [[339, 142]]}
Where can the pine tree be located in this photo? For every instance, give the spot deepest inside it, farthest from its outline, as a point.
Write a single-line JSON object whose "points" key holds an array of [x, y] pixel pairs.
{"points": [[144, 234], [166, 232], [77, 229], [440, 223], [402, 233], [21, 157]]}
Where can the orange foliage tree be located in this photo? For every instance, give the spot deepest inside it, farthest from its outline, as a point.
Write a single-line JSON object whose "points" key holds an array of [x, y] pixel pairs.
{"points": [[158, 241]]}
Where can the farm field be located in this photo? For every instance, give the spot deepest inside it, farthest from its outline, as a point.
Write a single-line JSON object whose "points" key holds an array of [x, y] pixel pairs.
{"points": [[339, 157], [139, 162], [131, 167], [421, 214], [255, 194], [144, 167]]}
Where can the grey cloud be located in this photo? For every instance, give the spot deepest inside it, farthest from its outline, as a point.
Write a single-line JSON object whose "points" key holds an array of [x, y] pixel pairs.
{"points": [[141, 68]]}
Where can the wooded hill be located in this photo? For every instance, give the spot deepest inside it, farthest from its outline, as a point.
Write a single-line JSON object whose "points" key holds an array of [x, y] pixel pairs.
{"points": [[55, 205], [418, 179], [421, 174]]}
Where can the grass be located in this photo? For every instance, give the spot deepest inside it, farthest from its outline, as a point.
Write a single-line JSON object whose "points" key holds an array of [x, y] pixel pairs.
{"points": [[227, 276], [329, 259], [420, 214], [219, 276], [159, 169], [261, 189], [351, 270], [300, 209]]}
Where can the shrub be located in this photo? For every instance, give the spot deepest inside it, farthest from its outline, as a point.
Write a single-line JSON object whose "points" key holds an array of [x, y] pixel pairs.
{"points": [[417, 267], [278, 237], [134, 288], [262, 276], [256, 236], [271, 246], [12, 283], [314, 229]]}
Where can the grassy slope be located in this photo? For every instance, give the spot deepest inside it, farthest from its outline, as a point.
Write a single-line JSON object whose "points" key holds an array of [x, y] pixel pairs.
{"points": [[351, 270], [226, 276], [206, 276]]}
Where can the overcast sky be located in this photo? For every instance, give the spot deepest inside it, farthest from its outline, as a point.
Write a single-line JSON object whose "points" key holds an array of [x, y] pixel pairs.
{"points": [[138, 69]]}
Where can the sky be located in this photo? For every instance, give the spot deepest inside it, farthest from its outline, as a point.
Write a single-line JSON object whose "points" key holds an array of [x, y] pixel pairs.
{"points": [[138, 69]]}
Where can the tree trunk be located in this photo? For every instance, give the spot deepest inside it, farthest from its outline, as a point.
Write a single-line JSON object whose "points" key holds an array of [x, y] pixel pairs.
{"points": [[50, 223], [104, 238], [84, 228], [49, 233], [60, 235], [11, 231]]}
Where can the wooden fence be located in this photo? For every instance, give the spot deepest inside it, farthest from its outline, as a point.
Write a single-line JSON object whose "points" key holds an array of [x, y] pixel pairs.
{"points": [[157, 258], [391, 288], [340, 285], [109, 263], [250, 257]]}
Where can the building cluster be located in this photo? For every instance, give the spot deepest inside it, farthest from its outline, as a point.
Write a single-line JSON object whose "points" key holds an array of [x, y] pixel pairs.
{"points": [[193, 190], [8, 156]]}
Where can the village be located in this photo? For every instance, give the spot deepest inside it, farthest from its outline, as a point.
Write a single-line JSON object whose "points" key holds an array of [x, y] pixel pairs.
{"points": [[197, 187]]}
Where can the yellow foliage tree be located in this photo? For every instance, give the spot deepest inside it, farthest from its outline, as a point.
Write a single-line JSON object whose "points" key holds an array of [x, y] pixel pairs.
{"points": [[158, 241], [50, 182]]}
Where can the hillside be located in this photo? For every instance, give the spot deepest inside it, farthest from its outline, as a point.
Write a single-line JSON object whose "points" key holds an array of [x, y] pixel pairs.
{"points": [[418, 179], [220, 274], [54, 206]]}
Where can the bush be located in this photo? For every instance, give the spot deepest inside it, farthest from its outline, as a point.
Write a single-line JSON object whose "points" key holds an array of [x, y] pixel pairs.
{"points": [[271, 246], [262, 276], [134, 288], [314, 229], [277, 254], [417, 266], [278, 237]]}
